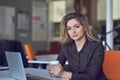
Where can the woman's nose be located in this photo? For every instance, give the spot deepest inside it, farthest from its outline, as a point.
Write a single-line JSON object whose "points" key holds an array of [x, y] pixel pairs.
{"points": [[73, 31]]}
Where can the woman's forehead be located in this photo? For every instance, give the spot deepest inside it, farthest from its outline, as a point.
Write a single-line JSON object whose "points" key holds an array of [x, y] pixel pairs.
{"points": [[72, 22]]}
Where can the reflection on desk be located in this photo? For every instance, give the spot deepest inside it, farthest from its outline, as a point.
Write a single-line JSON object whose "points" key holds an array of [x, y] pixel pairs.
{"points": [[43, 73]]}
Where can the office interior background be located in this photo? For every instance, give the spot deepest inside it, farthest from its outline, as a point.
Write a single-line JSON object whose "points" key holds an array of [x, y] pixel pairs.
{"points": [[37, 21]]}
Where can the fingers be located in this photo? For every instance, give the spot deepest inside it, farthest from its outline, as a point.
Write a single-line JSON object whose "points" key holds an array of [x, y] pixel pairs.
{"points": [[55, 69]]}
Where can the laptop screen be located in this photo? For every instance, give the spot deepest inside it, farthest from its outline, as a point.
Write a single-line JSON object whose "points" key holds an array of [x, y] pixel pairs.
{"points": [[16, 68], [15, 65]]}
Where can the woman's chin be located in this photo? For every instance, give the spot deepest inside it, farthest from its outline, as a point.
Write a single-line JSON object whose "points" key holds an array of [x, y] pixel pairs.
{"points": [[75, 39]]}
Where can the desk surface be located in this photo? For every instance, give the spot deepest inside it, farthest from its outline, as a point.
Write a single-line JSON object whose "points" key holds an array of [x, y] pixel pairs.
{"points": [[44, 59], [30, 71]]}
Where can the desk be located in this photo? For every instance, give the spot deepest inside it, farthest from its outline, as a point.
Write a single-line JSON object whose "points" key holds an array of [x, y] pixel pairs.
{"points": [[44, 60], [31, 71]]}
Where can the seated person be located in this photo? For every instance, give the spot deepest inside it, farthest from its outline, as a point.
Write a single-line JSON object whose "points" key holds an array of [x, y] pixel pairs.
{"points": [[84, 53]]}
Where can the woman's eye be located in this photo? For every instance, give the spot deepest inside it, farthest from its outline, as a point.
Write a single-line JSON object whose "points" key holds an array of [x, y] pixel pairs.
{"points": [[77, 26], [68, 28]]}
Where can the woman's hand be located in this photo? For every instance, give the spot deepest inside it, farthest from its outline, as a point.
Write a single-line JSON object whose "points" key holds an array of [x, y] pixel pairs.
{"points": [[50, 69], [55, 69]]}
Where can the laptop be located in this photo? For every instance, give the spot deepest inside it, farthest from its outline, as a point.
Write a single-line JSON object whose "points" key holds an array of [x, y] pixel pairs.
{"points": [[16, 68]]}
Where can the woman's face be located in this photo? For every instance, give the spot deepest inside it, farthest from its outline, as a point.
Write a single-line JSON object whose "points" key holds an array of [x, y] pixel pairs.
{"points": [[75, 30]]}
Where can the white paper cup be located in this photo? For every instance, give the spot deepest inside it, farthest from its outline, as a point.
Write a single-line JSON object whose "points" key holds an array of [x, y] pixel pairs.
{"points": [[54, 62]]}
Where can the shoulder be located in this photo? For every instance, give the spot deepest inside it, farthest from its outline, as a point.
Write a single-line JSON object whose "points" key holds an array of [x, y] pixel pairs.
{"points": [[92, 47], [96, 48], [95, 44]]}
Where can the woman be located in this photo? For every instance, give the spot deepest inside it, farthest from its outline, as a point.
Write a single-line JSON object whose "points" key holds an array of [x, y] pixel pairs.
{"points": [[83, 52]]}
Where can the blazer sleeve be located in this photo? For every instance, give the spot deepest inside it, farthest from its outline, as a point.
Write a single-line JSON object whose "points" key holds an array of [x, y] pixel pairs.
{"points": [[94, 67], [61, 57]]}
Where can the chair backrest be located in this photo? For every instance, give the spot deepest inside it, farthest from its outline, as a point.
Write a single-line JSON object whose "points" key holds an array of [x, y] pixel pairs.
{"points": [[14, 46], [111, 66], [29, 51]]}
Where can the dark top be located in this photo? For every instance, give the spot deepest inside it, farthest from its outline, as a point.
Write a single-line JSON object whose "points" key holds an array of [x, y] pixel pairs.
{"points": [[86, 64]]}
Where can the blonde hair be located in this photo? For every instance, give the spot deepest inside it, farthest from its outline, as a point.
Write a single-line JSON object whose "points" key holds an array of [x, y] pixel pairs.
{"points": [[83, 21]]}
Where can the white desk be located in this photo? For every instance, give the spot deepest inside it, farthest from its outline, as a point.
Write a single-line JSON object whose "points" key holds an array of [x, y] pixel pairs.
{"points": [[44, 59], [31, 71]]}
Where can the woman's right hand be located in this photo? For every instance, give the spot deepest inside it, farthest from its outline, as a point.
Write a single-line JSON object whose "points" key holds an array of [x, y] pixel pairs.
{"points": [[50, 69], [55, 69]]}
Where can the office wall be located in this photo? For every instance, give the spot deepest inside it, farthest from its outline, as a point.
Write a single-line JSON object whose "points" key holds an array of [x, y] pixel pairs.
{"points": [[25, 36]]}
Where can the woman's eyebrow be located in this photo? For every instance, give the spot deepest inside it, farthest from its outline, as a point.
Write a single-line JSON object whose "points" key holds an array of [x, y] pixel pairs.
{"points": [[76, 24]]}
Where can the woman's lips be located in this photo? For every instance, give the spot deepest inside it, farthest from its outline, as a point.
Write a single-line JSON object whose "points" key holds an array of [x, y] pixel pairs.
{"points": [[74, 36]]}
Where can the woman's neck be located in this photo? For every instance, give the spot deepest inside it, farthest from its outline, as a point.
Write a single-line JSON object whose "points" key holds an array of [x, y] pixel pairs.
{"points": [[80, 43]]}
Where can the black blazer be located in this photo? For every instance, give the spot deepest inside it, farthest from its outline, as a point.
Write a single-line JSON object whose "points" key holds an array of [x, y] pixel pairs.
{"points": [[86, 64]]}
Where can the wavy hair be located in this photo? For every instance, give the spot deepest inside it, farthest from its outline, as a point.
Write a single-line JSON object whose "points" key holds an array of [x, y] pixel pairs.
{"points": [[83, 20]]}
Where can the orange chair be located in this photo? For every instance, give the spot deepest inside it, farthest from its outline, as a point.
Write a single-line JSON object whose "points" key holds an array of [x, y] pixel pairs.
{"points": [[32, 58], [111, 66], [29, 52]]}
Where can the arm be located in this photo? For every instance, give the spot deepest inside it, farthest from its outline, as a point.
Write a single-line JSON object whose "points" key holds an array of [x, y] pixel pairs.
{"points": [[61, 57], [56, 70]]}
